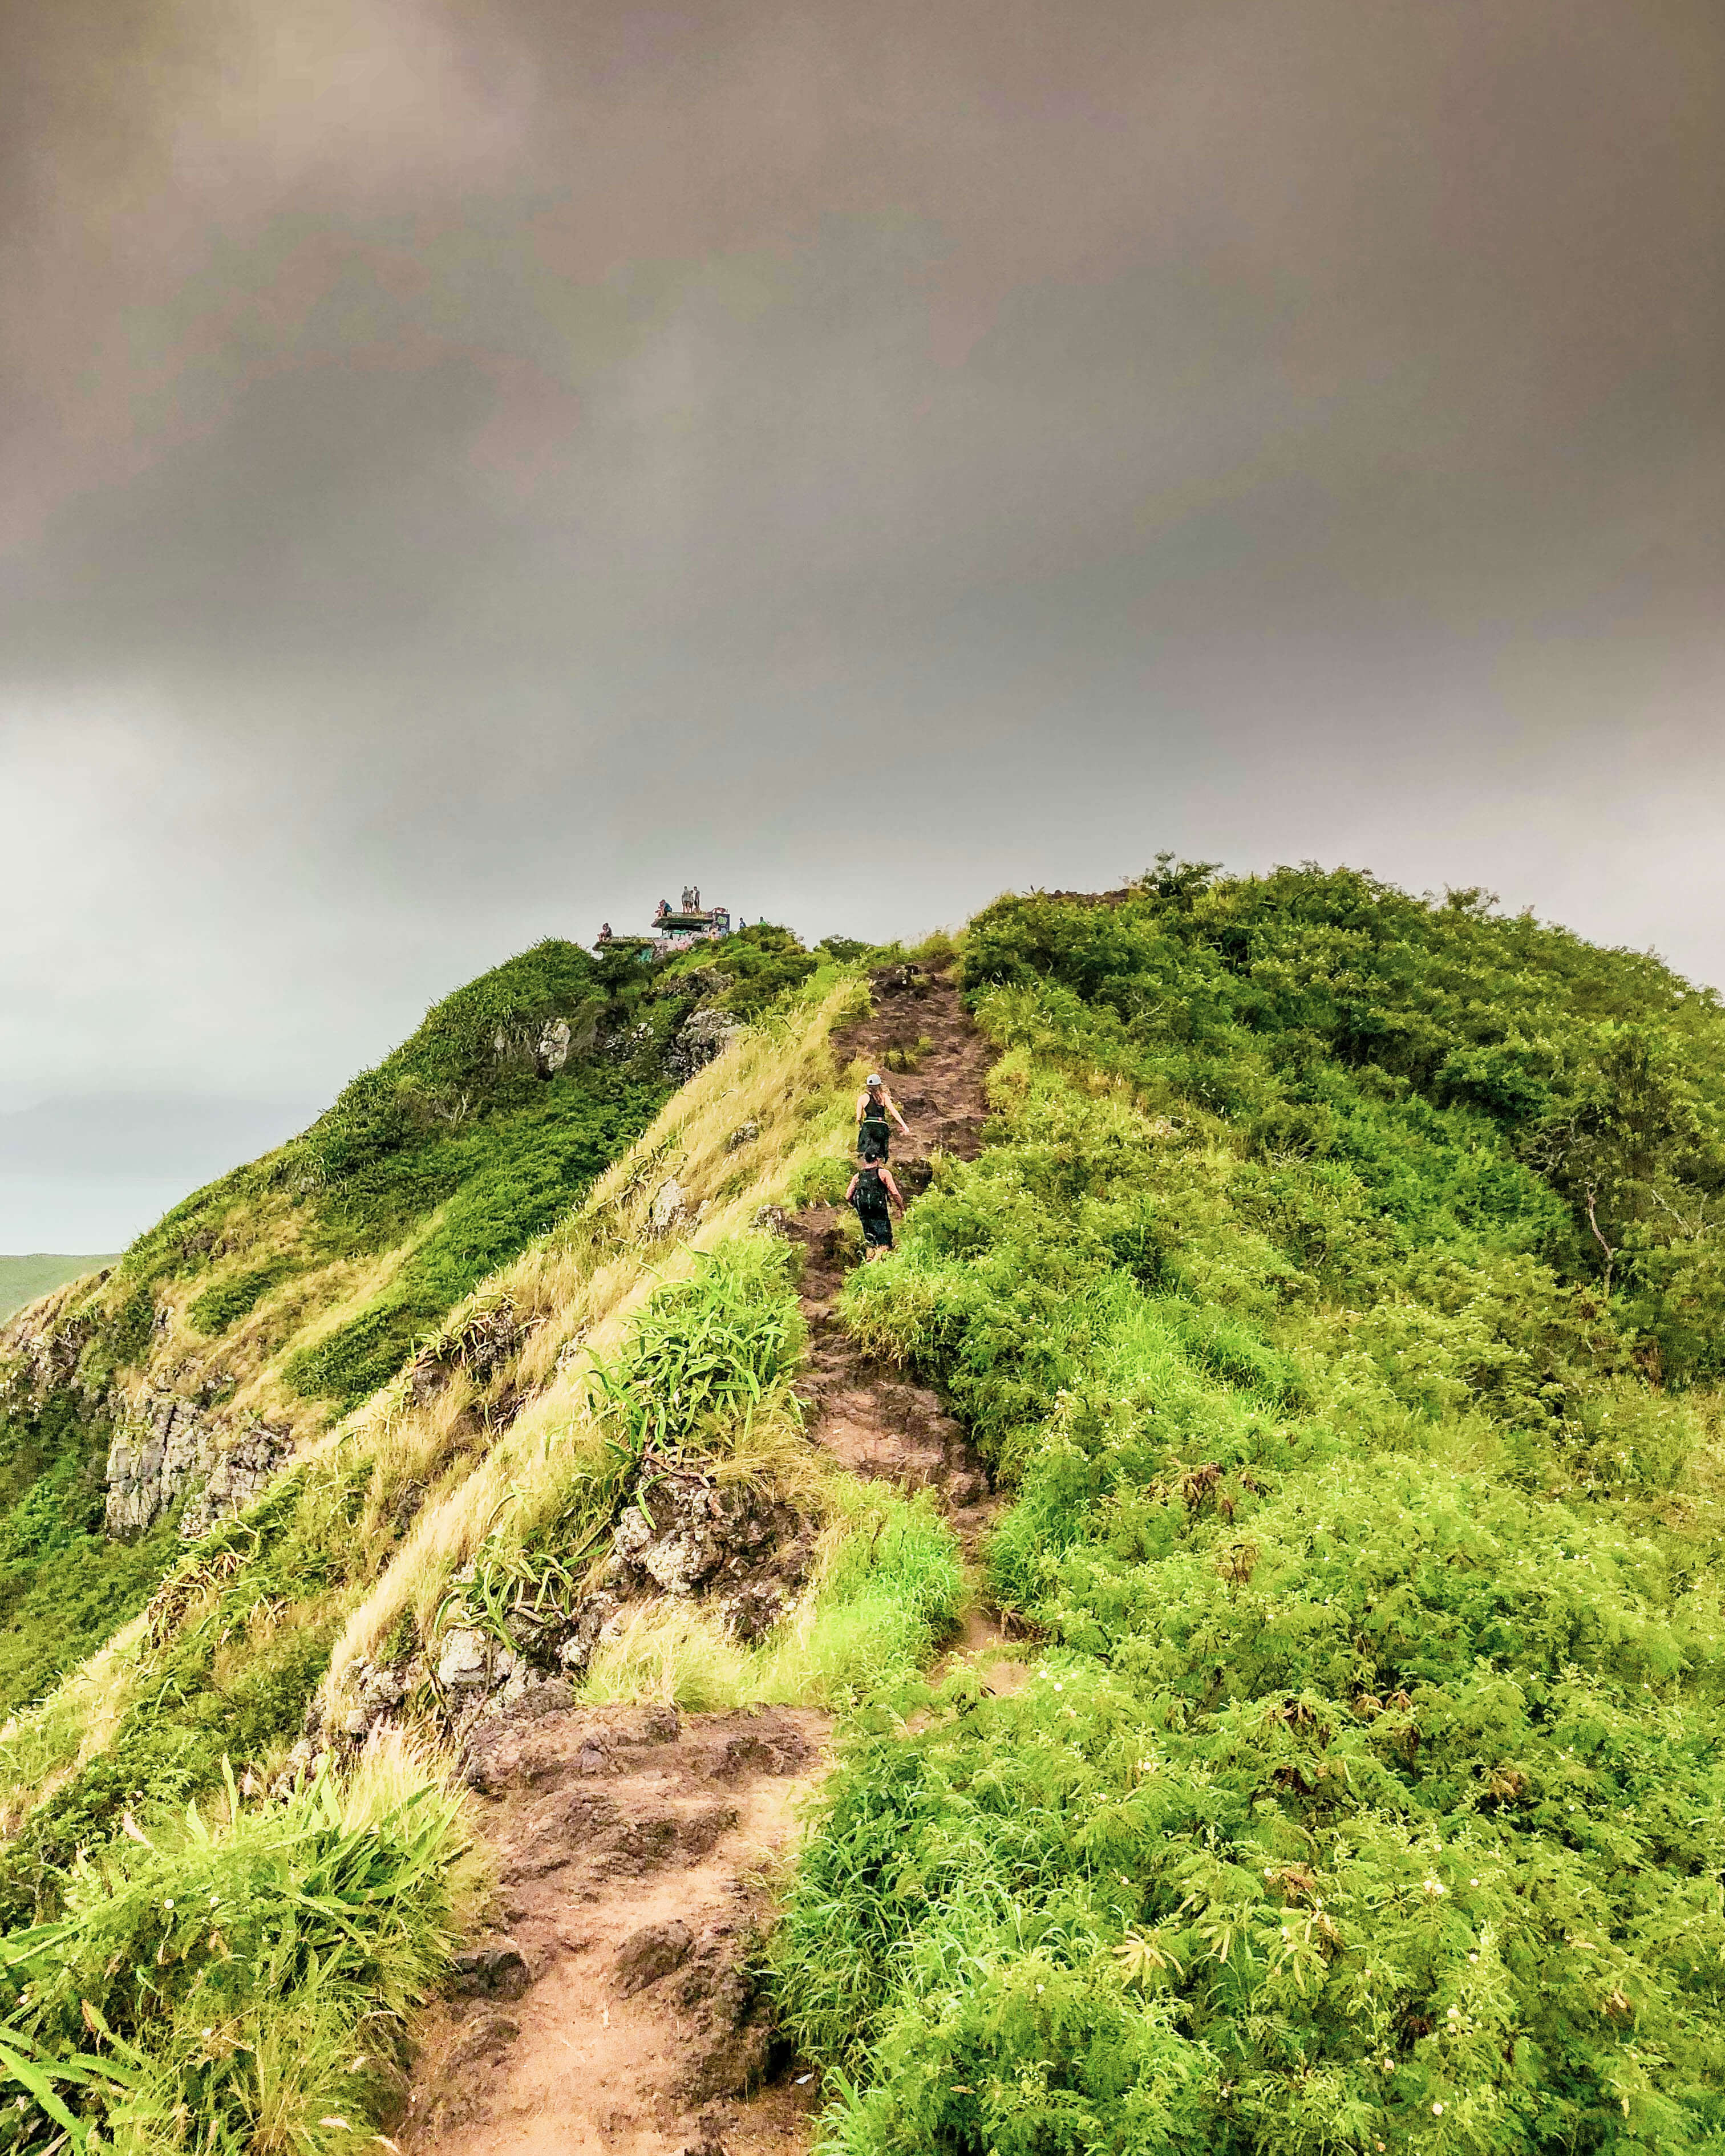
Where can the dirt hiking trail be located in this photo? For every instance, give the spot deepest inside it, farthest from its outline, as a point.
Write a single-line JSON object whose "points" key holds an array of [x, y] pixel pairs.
{"points": [[634, 1845]]}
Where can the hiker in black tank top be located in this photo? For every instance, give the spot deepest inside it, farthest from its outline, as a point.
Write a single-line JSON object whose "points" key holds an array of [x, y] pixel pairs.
{"points": [[876, 1196], [873, 1104]]}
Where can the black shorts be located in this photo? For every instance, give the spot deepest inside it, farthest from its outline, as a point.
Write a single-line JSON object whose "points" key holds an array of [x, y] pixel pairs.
{"points": [[877, 1230]]}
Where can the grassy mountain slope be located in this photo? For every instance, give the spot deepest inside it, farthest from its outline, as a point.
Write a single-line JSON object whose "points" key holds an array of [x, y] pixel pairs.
{"points": [[25, 1279], [269, 1304], [1335, 1298], [1339, 1298]]}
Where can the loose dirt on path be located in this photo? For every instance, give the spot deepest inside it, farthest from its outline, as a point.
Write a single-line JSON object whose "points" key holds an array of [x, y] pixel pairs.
{"points": [[617, 2011], [865, 1412], [634, 1845]]}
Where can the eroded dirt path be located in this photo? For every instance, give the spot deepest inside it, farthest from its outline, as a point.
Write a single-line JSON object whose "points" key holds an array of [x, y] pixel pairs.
{"points": [[865, 1412], [616, 2011]]}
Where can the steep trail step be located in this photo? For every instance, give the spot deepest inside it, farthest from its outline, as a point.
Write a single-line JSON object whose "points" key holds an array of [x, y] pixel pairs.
{"points": [[632, 1845], [617, 2013], [871, 1416]]}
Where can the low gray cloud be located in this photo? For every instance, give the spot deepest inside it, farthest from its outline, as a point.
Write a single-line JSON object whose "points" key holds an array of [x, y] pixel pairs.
{"points": [[90, 1172], [471, 469]]}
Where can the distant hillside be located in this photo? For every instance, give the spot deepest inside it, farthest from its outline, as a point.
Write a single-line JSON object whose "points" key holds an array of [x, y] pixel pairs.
{"points": [[21, 1280]]}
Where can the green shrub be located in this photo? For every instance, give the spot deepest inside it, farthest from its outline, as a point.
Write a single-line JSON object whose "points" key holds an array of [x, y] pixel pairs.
{"points": [[1368, 1795], [228, 1302], [250, 1983]]}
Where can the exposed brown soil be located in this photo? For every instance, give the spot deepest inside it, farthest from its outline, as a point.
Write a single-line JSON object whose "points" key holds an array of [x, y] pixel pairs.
{"points": [[863, 1410], [614, 2010]]}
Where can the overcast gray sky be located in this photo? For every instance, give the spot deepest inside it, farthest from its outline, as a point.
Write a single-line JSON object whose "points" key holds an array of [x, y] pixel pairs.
{"points": [[466, 470]]}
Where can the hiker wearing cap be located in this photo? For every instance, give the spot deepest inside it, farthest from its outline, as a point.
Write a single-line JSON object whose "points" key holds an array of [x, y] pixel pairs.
{"points": [[873, 1104], [876, 1196]]}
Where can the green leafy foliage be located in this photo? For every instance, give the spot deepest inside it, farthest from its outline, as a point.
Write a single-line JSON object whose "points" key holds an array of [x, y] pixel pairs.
{"points": [[751, 969], [234, 1989], [229, 1300], [64, 1585], [708, 1353], [1369, 1794], [225, 1678]]}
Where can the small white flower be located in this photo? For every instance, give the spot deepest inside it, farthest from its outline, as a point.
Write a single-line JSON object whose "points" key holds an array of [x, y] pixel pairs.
{"points": [[1437, 2110], [1455, 2014], [169, 1902]]}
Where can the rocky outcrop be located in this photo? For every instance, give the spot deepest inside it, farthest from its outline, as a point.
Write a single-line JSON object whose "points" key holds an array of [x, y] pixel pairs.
{"points": [[481, 1345], [167, 1449], [727, 1546], [670, 1213], [547, 1044], [701, 1036]]}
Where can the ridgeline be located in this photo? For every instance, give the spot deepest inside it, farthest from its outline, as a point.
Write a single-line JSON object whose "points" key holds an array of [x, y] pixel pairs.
{"points": [[1312, 1332]]}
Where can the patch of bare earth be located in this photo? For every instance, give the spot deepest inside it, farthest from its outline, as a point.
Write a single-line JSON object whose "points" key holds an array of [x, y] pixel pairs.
{"points": [[616, 2010]]}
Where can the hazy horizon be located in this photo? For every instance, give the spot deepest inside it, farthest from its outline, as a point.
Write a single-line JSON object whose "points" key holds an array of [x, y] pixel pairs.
{"points": [[468, 470]]}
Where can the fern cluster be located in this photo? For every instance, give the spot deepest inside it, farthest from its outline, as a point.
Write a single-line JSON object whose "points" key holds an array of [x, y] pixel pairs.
{"points": [[1369, 1794]]}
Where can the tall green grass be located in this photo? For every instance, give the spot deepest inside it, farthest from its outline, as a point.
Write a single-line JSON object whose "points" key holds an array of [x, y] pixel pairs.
{"points": [[237, 1985]]}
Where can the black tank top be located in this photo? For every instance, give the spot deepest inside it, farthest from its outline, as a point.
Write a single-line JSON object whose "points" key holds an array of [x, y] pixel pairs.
{"points": [[873, 1118]]}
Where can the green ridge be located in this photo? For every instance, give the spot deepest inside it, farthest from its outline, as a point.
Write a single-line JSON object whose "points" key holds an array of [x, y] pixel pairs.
{"points": [[1338, 1299]]}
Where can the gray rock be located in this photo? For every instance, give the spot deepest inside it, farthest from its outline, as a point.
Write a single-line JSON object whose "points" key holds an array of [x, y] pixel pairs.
{"points": [[541, 1695], [705, 1034], [552, 1051], [670, 1209], [466, 1662], [167, 1448]]}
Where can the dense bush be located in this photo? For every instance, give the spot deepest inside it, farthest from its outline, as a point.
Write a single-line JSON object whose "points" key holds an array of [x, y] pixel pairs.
{"points": [[225, 1989], [1369, 1794]]}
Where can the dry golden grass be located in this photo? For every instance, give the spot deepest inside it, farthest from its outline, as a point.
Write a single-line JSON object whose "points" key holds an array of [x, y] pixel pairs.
{"points": [[577, 1289], [40, 1748]]}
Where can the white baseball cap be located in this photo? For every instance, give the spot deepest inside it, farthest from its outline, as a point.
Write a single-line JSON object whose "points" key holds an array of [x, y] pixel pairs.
{"points": [[873, 1077]]}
